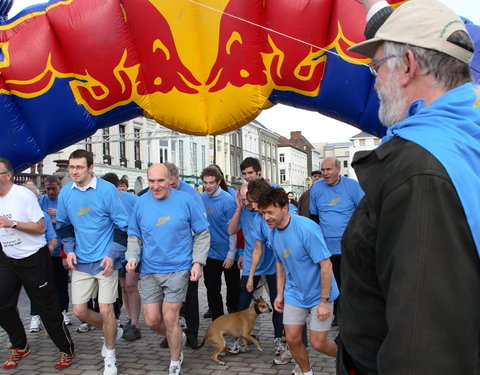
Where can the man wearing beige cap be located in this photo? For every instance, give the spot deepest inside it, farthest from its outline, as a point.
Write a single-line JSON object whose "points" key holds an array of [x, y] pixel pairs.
{"points": [[411, 266]]}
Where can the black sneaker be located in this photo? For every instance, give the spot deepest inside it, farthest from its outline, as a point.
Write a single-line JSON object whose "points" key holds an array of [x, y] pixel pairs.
{"points": [[132, 333]]}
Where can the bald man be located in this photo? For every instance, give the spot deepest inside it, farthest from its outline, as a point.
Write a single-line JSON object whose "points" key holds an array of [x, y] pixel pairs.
{"points": [[332, 202], [160, 234]]}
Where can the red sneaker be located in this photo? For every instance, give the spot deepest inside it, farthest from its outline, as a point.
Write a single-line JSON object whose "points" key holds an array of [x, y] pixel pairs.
{"points": [[64, 360], [15, 356]]}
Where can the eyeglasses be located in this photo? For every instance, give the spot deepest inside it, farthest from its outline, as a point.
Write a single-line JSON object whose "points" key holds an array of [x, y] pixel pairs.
{"points": [[76, 167], [374, 65]]}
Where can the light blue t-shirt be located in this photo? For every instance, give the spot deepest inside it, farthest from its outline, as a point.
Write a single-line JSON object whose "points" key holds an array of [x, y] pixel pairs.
{"points": [[46, 203], [292, 209], [263, 233], [197, 197], [165, 227], [300, 247], [49, 231], [334, 206], [250, 221], [94, 214], [220, 209], [128, 200]]}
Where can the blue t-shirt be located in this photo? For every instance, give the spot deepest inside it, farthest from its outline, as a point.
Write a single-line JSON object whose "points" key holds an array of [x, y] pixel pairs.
{"points": [[263, 233], [250, 221], [300, 247], [232, 191], [94, 214], [49, 231], [46, 203], [220, 209], [334, 206], [197, 197], [128, 200], [292, 209], [165, 227]]}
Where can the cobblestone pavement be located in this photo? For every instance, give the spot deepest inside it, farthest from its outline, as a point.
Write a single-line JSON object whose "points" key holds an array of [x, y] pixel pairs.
{"points": [[145, 357]]}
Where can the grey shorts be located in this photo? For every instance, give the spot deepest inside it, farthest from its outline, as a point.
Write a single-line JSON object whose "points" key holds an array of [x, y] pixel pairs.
{"points": [[168, 287], [294, 315]]}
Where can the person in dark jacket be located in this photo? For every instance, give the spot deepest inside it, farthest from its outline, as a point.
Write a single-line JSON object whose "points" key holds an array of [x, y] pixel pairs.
{"points": [[411, 268]]}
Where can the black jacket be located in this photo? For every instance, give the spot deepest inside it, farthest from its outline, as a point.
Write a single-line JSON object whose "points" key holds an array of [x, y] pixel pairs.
{"points": [[410, 269]]}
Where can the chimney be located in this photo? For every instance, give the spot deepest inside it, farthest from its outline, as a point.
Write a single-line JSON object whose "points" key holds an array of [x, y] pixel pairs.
{"points": [[295, 135]]}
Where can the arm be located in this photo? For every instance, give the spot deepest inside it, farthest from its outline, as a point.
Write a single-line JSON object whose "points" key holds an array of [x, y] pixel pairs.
{"points": [[432, 258], [377, 13], [201, 244], [256, 257], [326, 283], [279, 302], [37, 227], [52, 245], [134, 248], [233, 224], [232, 242]]}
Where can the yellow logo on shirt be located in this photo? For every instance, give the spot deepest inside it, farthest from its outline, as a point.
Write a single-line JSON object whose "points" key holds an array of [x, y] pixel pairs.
{"points": [[286, 253], [162, 220], [334, 201], [210, 211], [83, 211], [477, 102]]}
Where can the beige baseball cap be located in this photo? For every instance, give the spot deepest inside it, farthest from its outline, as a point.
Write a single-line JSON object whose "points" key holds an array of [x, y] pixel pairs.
{"points": [[420, 23]]}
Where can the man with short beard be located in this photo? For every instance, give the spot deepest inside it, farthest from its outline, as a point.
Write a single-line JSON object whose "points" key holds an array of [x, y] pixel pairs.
{"points": [[410, 267]]}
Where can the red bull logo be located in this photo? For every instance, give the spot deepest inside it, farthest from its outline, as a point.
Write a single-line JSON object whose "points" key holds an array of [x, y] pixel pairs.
{"points": [[203, 66]]}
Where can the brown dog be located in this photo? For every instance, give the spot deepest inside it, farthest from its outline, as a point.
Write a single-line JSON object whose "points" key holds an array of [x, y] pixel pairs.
{"points": [[239, 324]]}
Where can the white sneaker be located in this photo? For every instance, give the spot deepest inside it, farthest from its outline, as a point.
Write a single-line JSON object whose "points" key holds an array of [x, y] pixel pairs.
{"points": [[175, 370], [238, 346], [35, 323], [119, 335], [183, 323], [284, 358], [296, 371], [110, 366], [278, 346], [66, 319], [184, 339], [85, 327]]}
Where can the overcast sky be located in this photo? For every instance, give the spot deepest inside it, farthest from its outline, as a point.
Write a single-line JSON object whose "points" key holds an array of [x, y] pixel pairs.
{"points": [[315, 127]]}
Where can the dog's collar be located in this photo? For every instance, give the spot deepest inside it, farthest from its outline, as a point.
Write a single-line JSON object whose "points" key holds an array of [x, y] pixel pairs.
{"points": [[256, 309]]}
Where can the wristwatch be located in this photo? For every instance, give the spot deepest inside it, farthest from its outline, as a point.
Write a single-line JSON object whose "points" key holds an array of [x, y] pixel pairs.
{"points": [[324, 299], [14, 225]]}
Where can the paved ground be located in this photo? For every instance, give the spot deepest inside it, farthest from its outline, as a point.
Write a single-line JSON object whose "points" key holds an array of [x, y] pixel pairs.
{"points": [[145, 357]]}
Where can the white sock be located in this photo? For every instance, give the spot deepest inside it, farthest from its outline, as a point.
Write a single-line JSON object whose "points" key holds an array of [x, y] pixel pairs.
{"points": [[308, 372], [110, 353], [174, 363]]}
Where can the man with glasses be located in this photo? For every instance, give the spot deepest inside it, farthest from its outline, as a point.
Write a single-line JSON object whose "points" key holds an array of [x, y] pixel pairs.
{"points": [[411, 268], [92, 220], [25, 261]]}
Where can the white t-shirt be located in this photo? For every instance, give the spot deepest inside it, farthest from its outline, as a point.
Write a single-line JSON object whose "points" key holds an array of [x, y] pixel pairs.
{"points": [[20, 204]]}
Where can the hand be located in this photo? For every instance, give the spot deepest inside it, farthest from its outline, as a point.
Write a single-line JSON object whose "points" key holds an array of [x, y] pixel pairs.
{"points": [[249, 285], [107, 264], [131, 265], [5, 223], [52, 211], [227, 263], [278, 304], [71, 260], [240, 262], [367, 4], [238, 200], [64, 263], [323, 311], [196, 272]]}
